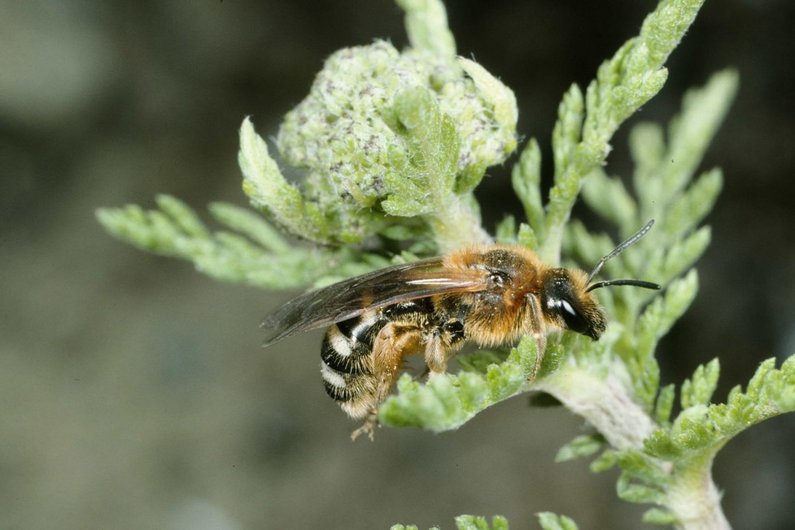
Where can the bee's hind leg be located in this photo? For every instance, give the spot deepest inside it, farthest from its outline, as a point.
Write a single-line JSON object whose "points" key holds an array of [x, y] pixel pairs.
{"points": [[391, 345], [368, 427]]}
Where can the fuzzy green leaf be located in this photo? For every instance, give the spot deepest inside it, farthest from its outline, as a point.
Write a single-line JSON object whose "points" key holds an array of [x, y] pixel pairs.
{"points": [[702, 427], [604, 462], [249, 224], [659, 516], [622, 85], [695, 436], [668, 264], [703, 111], [526, 237], [699, 389], [448, 401], [473, 522], [638, 493], [256, 255], [664, 405], [432, 146], [269, 191], [580, 447], [480, 360], [526, 180], [567, 133], [426, 25], [552, 521], [608, 197], [499, 99], [426, 181], [655, 322], [506, 230]]}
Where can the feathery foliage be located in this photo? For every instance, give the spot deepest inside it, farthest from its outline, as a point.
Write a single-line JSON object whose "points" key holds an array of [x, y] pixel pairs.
{"points": [[392, 144]]}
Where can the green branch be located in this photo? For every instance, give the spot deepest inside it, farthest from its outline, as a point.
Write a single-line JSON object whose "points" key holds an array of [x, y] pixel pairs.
{"points": [[586, 124], [250, 252]]}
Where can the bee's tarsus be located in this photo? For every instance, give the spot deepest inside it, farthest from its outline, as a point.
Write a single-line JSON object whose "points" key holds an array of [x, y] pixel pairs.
{"points": [[368, 427]]}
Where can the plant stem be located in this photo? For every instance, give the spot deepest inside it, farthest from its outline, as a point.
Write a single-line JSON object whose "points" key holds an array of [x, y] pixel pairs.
{"points": [[603, 402], [694, 498], [607, 405], [457, 225]]}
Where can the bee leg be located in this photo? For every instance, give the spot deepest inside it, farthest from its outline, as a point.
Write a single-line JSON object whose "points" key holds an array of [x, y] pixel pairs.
{"points": [[435, 357], [445, 341], [391, 345], [537, 332], [368, 427]]}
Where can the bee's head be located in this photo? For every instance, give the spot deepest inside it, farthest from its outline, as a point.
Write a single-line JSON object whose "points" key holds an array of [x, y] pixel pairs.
{"points": [[566, 301], [567, 298]]}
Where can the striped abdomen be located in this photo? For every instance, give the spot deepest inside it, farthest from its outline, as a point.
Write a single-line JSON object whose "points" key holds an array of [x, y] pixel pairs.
{"points": [[361, 356]]}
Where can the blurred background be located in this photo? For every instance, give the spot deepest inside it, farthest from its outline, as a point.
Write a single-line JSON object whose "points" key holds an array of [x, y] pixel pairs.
{"points": [[133, 390]]}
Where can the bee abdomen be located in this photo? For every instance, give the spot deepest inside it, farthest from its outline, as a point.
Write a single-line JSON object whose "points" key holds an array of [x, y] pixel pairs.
{"points": [[344, 355], [345, 352], [339, 386], [347, 344], [349, 374]]}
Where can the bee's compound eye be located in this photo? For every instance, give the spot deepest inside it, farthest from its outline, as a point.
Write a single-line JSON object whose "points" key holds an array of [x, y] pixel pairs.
{"points": [[573, 319], [566, 306]]}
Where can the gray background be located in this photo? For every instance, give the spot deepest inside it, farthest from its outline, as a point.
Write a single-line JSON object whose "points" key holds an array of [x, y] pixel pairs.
{"points": [[133, 390]]}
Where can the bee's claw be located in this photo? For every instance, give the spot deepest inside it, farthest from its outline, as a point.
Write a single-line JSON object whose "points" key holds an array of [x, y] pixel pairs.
{"points": [[368, 427]]}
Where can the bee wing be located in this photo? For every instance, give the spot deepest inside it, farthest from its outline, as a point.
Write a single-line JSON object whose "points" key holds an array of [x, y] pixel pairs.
{"points": [[383, 287]]}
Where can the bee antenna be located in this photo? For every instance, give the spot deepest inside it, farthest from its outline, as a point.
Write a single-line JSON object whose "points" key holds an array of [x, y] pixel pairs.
{"points": [[636, 283], [616, 251]]}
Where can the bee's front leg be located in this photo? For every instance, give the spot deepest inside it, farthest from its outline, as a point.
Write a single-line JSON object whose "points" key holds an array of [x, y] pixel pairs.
{"points": [[538, 333]]}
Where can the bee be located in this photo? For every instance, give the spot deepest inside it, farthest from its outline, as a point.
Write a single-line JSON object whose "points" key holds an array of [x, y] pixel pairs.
{"points": [[490, 295]]}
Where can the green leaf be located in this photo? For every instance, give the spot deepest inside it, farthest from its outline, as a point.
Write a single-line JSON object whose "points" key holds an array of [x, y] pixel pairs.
{"points": [[608, 197], [659, 516], [699, 389], [249, 224], [662, 172], [622, 85], [526, 237], [448, 401], [551, 521], [506, 231], [269, 191], [480, 360], [665, 402], [426, 184], [637, 493], [604, 462], [581, 446], [472, 522], [655, 322], [426, 25], [526, 180]]}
